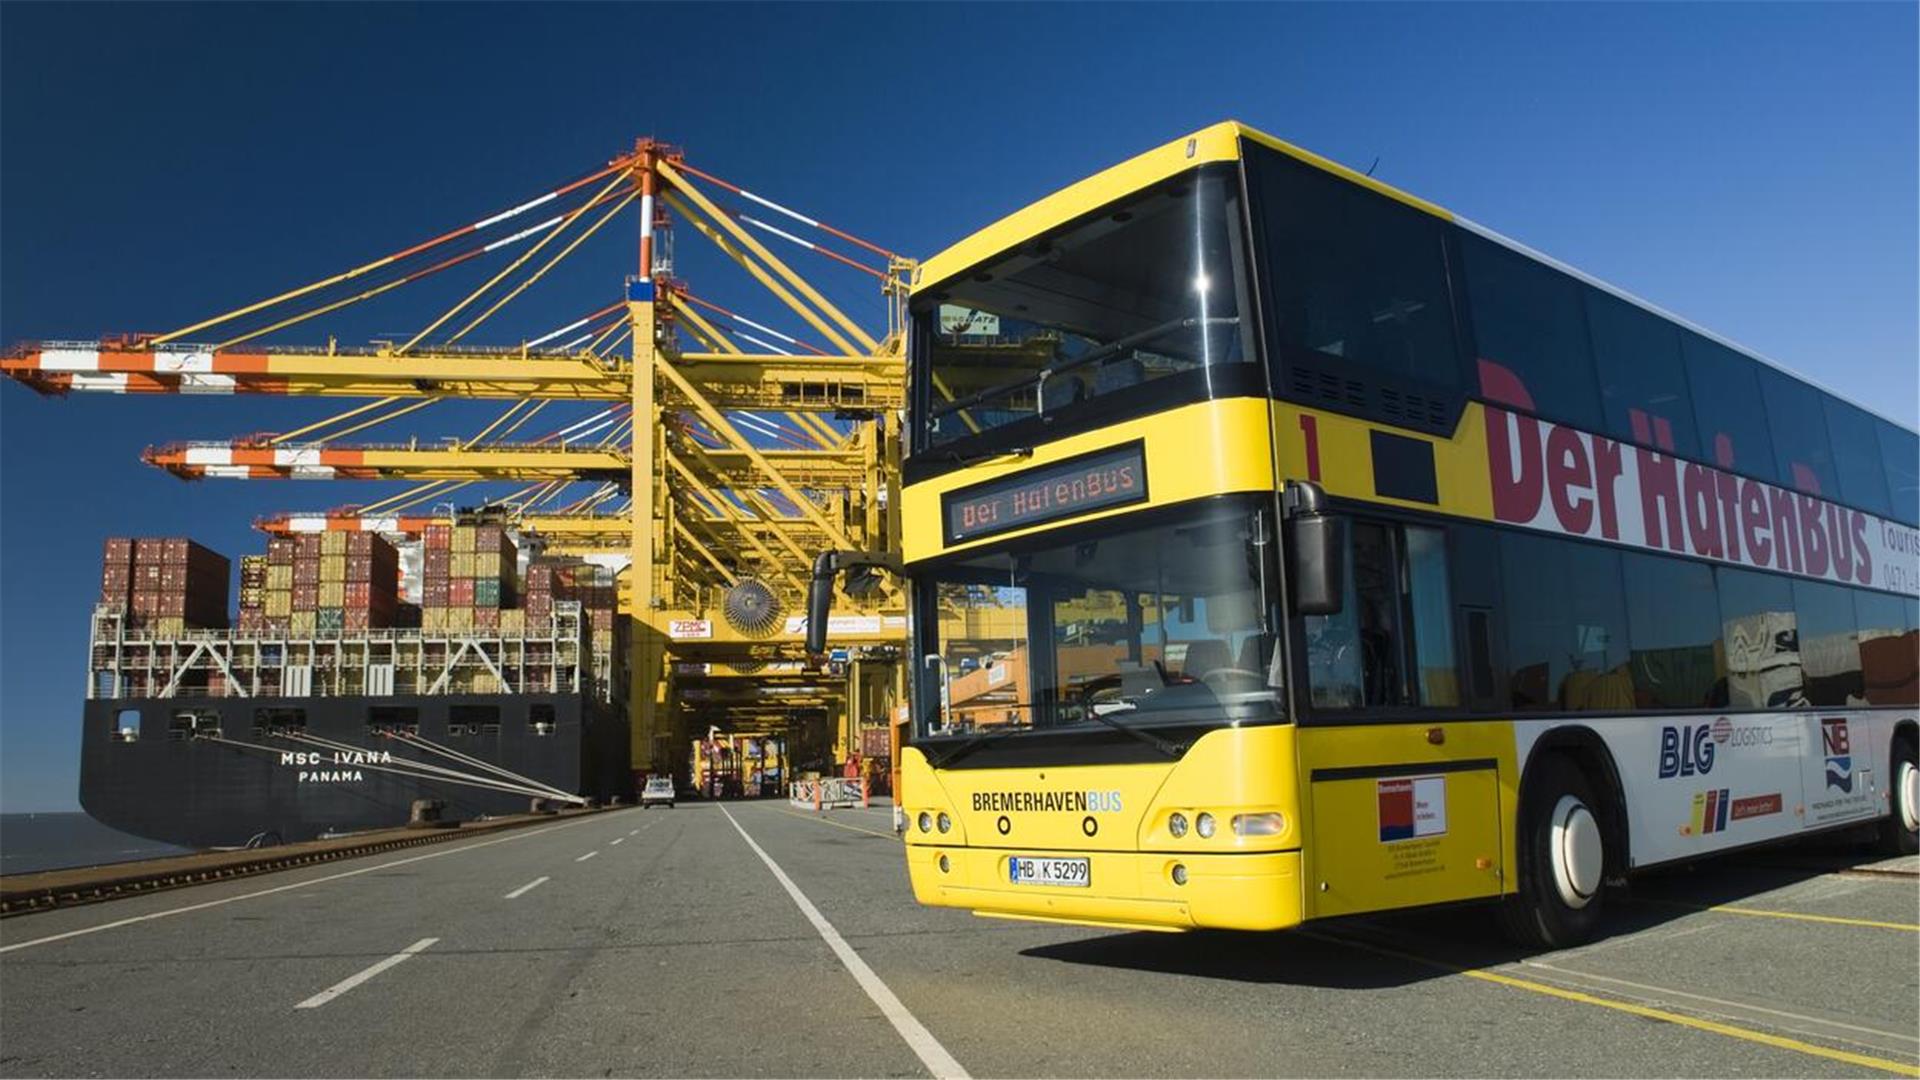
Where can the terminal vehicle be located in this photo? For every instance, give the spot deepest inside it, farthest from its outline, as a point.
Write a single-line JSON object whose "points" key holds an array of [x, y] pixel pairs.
{"points": [[658, 791], [1283, 546]]}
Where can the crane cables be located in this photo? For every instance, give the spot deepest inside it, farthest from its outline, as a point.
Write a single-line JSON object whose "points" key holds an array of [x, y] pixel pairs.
{"points": [[432, 256]]}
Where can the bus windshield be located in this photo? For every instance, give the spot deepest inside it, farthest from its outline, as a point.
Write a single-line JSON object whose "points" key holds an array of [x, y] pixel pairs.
{"points": [[1147, 288], [1160, 624]]}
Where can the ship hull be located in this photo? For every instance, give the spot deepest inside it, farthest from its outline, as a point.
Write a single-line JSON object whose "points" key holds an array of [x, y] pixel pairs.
{"points": [[171, 785]]}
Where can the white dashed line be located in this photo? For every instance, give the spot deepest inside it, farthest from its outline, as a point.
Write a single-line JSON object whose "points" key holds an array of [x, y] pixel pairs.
{"points": [[587, 856], [527, 888], [349, 983], [934, 1056], [115, 924], [618, 840]]}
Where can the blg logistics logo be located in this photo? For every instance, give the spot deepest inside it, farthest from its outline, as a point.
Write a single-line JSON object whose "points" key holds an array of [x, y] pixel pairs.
{"points": [[1690, 749], [1687, 750]]}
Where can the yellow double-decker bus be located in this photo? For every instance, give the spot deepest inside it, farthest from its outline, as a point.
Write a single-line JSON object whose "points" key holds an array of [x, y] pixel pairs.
{"points": [[1283, 546]]}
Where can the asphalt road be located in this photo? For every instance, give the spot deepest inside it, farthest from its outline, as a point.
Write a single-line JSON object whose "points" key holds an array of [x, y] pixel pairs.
{"points": [[675, 949]]}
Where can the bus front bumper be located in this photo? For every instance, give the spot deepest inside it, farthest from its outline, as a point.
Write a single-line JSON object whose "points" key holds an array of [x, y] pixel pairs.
{"points": [[1126, 890]]}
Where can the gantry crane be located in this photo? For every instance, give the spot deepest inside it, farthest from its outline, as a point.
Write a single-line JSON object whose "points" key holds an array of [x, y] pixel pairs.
{"points": [[713, 505]]}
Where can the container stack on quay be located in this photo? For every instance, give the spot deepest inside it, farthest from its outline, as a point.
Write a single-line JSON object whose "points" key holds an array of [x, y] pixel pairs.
{"points": [[551, 580], [321, 584], [468, 575], [165, 585]]}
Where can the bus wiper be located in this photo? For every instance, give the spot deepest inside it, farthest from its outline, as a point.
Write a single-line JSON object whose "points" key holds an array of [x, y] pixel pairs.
{"points": [[969, 746], [1104, 352], [1171, 749], [955, 457]]}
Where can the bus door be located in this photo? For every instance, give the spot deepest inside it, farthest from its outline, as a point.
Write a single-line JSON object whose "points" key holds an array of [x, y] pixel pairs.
{"points": [[1405, 810]]}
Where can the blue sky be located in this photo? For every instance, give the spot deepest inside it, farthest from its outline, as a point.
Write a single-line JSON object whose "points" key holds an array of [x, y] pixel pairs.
{"points": [[1751, 167]]}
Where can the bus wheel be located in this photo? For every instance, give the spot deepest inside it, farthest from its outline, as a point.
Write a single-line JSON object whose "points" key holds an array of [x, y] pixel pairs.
{"points": [[1562, 853], [1900, 830]]}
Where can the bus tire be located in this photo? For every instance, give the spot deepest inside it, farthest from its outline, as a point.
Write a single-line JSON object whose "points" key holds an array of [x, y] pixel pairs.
{"points": [[1562, 855], [1899, 834]]}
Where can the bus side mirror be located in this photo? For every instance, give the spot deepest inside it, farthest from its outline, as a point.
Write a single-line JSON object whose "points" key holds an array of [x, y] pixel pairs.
{"points": [[863, 580], [820, 602], [1317, 545]]}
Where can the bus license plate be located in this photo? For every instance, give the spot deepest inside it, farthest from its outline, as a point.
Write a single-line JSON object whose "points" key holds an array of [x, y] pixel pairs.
{"points": [[1034, 871]]}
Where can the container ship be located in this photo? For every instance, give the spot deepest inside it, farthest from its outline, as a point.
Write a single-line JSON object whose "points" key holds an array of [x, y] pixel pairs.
{"points": [[331, 704]]}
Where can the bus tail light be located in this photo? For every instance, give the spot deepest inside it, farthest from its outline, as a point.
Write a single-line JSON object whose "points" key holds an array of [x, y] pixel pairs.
{"points": [[1271, 824]]}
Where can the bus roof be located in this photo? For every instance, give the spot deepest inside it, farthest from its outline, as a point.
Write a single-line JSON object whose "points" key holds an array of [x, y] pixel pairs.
{"points": [[1221, 142]]}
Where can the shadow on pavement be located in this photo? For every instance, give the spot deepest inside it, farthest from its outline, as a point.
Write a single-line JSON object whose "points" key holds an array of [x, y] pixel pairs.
{"points": [[1337, 953]]}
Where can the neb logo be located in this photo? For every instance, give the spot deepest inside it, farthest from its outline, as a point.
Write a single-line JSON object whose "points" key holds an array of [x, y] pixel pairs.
{"points": [[1686, 751]]}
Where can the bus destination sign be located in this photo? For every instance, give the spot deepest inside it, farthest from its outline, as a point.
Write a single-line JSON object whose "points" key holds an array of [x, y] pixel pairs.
{"points": [[1096, 481]]}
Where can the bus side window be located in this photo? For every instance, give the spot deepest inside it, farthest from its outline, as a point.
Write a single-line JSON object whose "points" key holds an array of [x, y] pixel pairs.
{"points": [[1391, 644]]}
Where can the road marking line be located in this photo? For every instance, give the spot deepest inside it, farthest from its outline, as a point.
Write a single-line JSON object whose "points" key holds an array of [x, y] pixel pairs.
{"points": [[1732, 1031], [527, 888], [117, 923], [1727, 909], [587, 856], [921, 1041], [633, 832], [1721, 1001], [617, 840], [352, 981], [841, 825]]}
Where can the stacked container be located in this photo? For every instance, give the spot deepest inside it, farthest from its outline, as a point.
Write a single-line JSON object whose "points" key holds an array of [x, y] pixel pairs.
{"points": [[253, 593], [467, 575], [165, 585]]}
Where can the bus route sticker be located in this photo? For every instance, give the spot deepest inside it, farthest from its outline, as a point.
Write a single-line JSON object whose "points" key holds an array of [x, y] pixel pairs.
{"points": [[1412, 807]]}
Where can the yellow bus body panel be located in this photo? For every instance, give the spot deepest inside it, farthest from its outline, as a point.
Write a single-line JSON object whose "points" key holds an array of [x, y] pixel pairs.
{"points": [[1250, 883], [1208, 448], [1346, 458], [1349, 863], [1332, 858]]}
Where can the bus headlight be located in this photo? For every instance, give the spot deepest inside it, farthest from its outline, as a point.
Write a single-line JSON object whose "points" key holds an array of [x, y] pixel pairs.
{"points": [[1179, 874], [945, 821], [1203, 825], [926, 821], [1177, 825], [1259, 824]]}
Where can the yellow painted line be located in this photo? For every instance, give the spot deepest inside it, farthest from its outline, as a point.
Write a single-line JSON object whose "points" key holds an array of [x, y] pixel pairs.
{"points": [[1731, 1031], [1800, 916], [840, 824]]}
